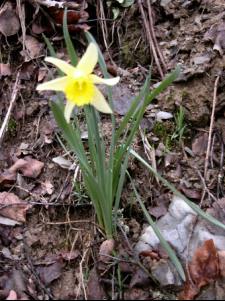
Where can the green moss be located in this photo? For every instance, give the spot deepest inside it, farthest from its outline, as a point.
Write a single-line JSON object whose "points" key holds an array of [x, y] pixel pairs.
{"points": [[184, 95], [164, 131], [12, 127]]}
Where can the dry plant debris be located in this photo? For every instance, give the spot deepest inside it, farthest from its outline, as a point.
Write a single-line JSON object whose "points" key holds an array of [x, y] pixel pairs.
{"points": [[186, 32], [203, 269], [12, 207]]}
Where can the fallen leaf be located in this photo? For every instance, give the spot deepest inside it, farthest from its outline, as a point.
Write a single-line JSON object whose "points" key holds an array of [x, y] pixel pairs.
{"points": [[218, 211], [7, 177], [47, 187], [42, 74], [158, 211], [191, 193], [12, 207], [28, 70], [95, 290], [73, 16], [106, 250], [140, 278], [221, 255], [29, 167], [5, 70], [122, 99], [203, 269], [51, 272], [216, 34], [199, 145], [8, 222], [68, 256], [39, 25], [62, 162], [126, 267], [34, 48], [136, 294], [9, 21]]}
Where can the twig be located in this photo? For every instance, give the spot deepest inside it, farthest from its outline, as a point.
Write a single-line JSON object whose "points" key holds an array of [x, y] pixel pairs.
{"points": [[21, 12], [81, 282], [205, 188], [31, 266], [151, 25], [7, 117], [150, 39], [149, 151], [211, 127]]}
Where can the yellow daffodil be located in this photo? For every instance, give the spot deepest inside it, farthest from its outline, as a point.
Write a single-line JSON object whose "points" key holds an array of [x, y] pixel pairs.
{"points": [[78, 84]]}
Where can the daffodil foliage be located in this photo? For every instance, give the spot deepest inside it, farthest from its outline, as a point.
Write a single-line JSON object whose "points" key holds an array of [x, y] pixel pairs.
{"points": [[103, 168]]}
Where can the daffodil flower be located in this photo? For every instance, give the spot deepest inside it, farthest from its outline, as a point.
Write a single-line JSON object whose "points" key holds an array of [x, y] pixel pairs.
{"points": [[78, 84]]}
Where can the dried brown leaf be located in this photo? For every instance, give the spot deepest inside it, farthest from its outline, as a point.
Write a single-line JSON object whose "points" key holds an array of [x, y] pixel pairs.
{"points": [[95, 290], [136, 294], [12, 207], [9, 21], [203, 269], [42, 74], [51, 272], [199, 145], [191, 193], [68, 256], [34, 48], [140, 278], [221, 255], [7, 177], [106, 250], [29, 167], [217, 35], [28, 71]]}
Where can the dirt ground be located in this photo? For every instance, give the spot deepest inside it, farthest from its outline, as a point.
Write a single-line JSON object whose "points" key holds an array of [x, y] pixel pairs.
{"points": [[49, 239]]}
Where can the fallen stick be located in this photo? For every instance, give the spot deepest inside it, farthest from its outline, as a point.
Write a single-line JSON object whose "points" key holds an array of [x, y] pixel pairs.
{"points": [[151, 26], [211, 127], [12, 101], [150, 39]]}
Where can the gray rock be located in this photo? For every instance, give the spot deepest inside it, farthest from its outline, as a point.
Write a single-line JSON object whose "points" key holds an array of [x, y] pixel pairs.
{"points": [[176, 227]]}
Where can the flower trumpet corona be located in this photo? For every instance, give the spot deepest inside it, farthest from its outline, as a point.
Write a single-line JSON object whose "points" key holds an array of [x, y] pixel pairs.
{"points": [[78, 84]]}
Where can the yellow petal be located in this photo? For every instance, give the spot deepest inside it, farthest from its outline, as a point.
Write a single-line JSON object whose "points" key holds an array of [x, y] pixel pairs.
{"points": [[57, 84], [63, 66], [68, 110], [89, 59], [100, 103], [107, 81]]}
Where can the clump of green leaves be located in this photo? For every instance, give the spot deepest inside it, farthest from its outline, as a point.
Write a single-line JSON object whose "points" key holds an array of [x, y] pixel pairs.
{"points": [[12, 127], [104, 169], [180, 125]]}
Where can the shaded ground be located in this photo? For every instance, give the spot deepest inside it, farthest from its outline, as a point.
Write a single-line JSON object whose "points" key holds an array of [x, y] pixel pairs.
{"points": [[54, 252]]}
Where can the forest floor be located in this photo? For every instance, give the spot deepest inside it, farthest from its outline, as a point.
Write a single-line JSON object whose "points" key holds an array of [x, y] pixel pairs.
{"points": [[49, 240]]}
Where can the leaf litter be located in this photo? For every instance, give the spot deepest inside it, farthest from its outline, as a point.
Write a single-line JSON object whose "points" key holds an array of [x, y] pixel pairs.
{"points": [[190, 33], [12, 207]]}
